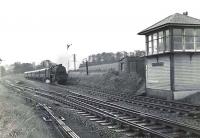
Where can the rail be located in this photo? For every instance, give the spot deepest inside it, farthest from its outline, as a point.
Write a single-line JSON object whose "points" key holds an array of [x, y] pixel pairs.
{"points": [[95, 107]]}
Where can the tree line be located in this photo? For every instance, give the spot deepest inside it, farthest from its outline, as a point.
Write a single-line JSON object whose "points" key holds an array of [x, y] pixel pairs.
{"points": [[105, 58], [95, 59], [19, 67]]}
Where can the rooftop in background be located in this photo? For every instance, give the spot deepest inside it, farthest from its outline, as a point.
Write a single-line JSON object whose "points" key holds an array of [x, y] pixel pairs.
{"points": [[173, 20]]}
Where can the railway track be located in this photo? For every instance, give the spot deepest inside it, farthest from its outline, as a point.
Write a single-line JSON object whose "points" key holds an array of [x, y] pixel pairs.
{"points": [[165, 106], [182, 109], [64, 129], [150, 102], [121, 119]]}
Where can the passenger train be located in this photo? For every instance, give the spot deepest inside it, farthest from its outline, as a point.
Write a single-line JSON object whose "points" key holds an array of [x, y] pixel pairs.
{"points": [[54, 74]]}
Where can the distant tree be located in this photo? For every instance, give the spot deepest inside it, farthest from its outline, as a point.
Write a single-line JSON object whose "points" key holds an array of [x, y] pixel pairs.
{"points": [[90, 59], [26, 67], [139, 53], [125, 54], [3, 70], [45, 64], [17, 67], [112, 57], [34, 66], [39, 66], [104, 58], [82, 64], [132, 54], [98, 58], [108, 57], [119, 55], [22, 67]]}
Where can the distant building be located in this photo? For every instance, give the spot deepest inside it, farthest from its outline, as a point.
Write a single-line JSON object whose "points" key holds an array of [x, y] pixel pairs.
{"points": [[173, 56], [132, 64]]}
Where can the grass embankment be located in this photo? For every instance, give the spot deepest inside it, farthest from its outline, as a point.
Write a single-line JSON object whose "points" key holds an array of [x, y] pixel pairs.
{"points": [[112, 80], [193, 99], [19, 120]]}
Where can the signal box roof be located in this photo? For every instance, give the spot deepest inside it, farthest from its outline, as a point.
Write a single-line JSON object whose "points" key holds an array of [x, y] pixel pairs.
{"points": [[176, 19]]}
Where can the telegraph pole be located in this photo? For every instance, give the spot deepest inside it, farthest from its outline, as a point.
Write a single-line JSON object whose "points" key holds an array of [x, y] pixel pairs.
{"points": [[68, 46], [68, 65], [74, 61], [86, 65], [0, 68]]}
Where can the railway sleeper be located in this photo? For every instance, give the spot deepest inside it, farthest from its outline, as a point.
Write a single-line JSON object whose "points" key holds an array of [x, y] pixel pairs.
{"points": [[157, 127], [176, 132], [85, 114], [132, 119], [134, 132], [121, 115], [95, 119], [179, 113], [90, 116], [116, 126], [170, 111], [124, 117], [167, 129], [194, 114], [101, 121], [119, 130], [106, 123], [131, 133], [163, 109], [180, 134]]}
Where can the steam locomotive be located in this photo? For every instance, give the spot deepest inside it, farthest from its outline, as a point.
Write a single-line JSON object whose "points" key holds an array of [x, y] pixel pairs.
{"points": [[54, 74]]}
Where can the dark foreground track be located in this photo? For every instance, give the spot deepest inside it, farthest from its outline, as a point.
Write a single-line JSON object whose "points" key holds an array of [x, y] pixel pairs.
{"points": [[118, 118]]}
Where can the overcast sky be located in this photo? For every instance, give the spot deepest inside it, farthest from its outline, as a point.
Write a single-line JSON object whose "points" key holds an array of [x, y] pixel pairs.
{"points": [[34, 30]]}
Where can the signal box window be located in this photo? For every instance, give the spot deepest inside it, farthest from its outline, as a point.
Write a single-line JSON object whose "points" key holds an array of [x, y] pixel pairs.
{"points": [[189, 39], [197, 39], [155, 47], [177, 38]]}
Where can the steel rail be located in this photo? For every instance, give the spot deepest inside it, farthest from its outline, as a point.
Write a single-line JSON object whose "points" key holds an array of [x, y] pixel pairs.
{"points": [[143, 97], [127, 111], [123, 109], [159, 103]]}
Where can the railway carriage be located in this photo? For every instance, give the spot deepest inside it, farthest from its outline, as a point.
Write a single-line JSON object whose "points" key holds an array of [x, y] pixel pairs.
{"points": [[55, 74]]}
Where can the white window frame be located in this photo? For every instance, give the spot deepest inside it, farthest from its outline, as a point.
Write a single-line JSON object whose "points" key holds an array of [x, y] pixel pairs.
{"points": [[184, 43], [195, 35], [165, 44], [149, 41], [177, 50], [159, 38], [155, 40]]}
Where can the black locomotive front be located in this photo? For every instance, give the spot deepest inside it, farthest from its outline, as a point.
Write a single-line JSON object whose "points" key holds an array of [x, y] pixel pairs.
{"points": [[58, 74]]}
